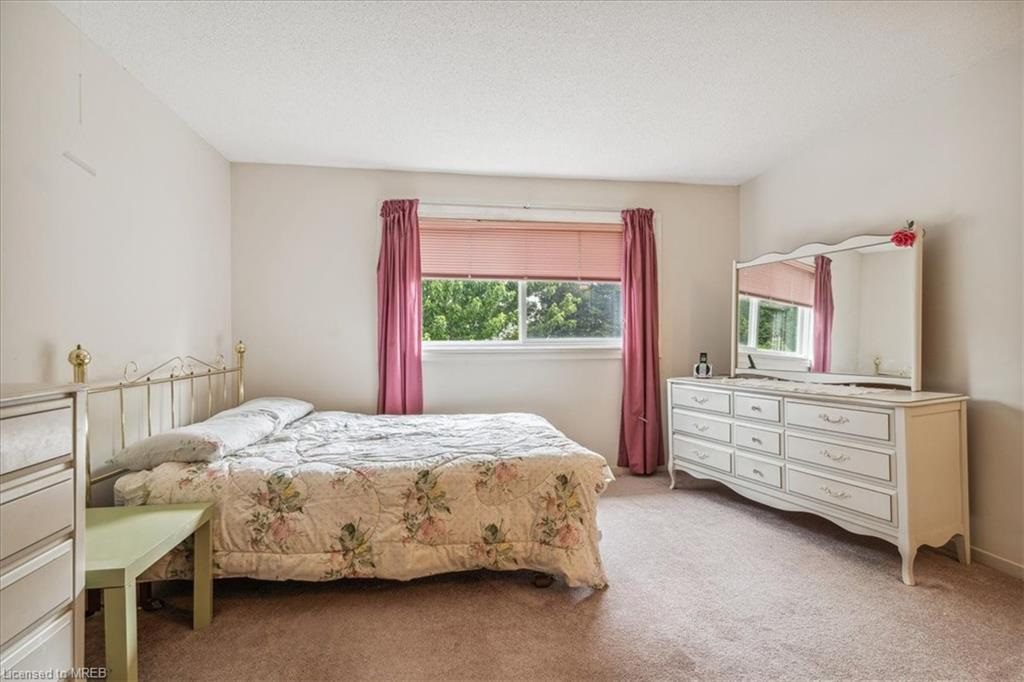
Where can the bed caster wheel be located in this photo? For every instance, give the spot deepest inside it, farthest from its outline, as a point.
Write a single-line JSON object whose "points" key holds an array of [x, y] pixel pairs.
{"points": [[542, 580], [151, 604], [147, 602]]}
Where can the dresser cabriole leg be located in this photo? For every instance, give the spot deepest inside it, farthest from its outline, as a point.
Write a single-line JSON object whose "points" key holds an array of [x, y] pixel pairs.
{"points": [[908, 554], [963, 548], [671, 477]]}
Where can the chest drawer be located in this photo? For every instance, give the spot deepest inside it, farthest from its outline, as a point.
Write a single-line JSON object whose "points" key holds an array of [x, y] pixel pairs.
{"points": [[841, 494], [30, 434], [758, 407], [36, 510], [34, 588], [702, 453], [758, 470], [692, 398], [840, 457], [699, 425], [759, 440], [52, 647], [845, 420]]}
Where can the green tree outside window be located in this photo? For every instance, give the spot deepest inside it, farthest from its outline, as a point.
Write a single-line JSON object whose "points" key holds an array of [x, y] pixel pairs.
{"points": [[488, 310]]}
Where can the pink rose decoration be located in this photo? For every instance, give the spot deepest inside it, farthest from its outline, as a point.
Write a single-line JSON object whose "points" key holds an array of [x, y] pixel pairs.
{"points": [[904, 237]]}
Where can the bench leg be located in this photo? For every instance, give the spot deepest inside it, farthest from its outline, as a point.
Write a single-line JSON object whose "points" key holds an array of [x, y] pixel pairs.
{"points": [[202, 578], [121, 636]]}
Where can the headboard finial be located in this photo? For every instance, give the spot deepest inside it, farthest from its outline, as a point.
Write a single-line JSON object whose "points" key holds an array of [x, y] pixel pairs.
{"points": [[240, 354], [79, 358]]}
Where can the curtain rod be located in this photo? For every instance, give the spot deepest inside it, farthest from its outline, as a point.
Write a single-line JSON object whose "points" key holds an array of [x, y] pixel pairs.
{"points": [[527, 205]]}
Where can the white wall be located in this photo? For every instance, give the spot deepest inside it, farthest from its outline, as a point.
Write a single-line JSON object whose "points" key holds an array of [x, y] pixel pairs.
{"points": [[305, 244], [133, 263], [950, 158]]}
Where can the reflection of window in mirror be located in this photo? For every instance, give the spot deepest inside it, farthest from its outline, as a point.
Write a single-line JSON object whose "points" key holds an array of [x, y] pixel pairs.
{"points": [[775, 327], [775, 315]]}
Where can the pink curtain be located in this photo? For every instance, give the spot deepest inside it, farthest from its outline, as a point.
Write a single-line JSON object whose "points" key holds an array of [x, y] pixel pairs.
{"points": [[824, 311], [640, 445], [399, 310]]}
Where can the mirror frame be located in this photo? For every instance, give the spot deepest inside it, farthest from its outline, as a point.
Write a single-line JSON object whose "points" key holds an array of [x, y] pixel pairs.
{"points": [[913, 382]]}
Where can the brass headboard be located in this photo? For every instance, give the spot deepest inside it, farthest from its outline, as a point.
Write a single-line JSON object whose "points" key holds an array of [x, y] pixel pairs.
{"points": [[173, 372]]}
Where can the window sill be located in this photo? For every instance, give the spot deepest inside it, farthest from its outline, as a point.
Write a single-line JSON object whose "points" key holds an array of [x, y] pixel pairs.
{"points": [[756, 352], [441, 352]]}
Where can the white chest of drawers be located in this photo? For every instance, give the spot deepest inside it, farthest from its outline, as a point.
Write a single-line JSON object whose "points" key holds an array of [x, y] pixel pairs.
{"points": [[892, 464], [42, 524]]}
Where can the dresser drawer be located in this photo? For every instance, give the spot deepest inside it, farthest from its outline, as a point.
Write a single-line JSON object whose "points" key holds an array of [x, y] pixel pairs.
{"points": [[840, 457], [758, 470], [35, 511], [699, 425], [760, 440], [719, 402], [827, 417], [30, 434], [34, 588], [51, 647], [758, 407], [702, 453], [846, 495]]}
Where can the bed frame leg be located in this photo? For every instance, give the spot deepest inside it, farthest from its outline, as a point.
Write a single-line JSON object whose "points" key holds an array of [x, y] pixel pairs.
{"points": [[542, 580], [146, 599], [93, 602]]}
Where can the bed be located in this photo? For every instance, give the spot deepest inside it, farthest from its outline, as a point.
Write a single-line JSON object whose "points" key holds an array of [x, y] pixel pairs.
{"points": [[342, 495], [332, 495]]}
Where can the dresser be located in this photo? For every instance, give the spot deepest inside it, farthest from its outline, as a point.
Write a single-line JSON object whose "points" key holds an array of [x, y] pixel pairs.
{"points": [[42, 524], [884, 462]]}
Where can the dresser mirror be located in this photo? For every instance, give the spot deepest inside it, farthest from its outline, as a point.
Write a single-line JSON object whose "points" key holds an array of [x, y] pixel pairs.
{"points": [[843, 313]]}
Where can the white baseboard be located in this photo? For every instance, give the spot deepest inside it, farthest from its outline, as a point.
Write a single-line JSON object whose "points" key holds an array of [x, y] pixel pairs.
{"points": [[997, 562]]}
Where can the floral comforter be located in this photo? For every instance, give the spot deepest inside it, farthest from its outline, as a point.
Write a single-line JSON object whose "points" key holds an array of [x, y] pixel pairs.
{"points": [[340, 495]]}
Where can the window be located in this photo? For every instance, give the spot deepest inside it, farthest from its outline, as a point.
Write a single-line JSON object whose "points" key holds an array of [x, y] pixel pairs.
{"points": [[519, 283], [774, 326]]}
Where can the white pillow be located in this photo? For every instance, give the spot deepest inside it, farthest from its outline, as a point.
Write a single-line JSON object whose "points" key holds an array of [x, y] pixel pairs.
{"points": [[283, 410], [202, 442], [221, 434]]}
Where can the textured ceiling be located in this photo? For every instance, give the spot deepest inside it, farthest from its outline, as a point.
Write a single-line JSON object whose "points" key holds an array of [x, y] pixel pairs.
{"points": [[705, 92]]}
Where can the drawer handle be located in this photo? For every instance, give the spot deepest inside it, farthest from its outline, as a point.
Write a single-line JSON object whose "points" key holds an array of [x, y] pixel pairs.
{"points": [[830, 420], [841, 495], [700, 455], [758, 472], [835, 458], [700, 400], [700, 427], [755, 439], [755, 408]]}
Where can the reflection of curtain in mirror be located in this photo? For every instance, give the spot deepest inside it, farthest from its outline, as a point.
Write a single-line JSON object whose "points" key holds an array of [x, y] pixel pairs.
{"points": [[824, 310]]}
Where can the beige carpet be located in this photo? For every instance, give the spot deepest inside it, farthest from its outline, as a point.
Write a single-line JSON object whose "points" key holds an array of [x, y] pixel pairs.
{"points": [[704, 584]]}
